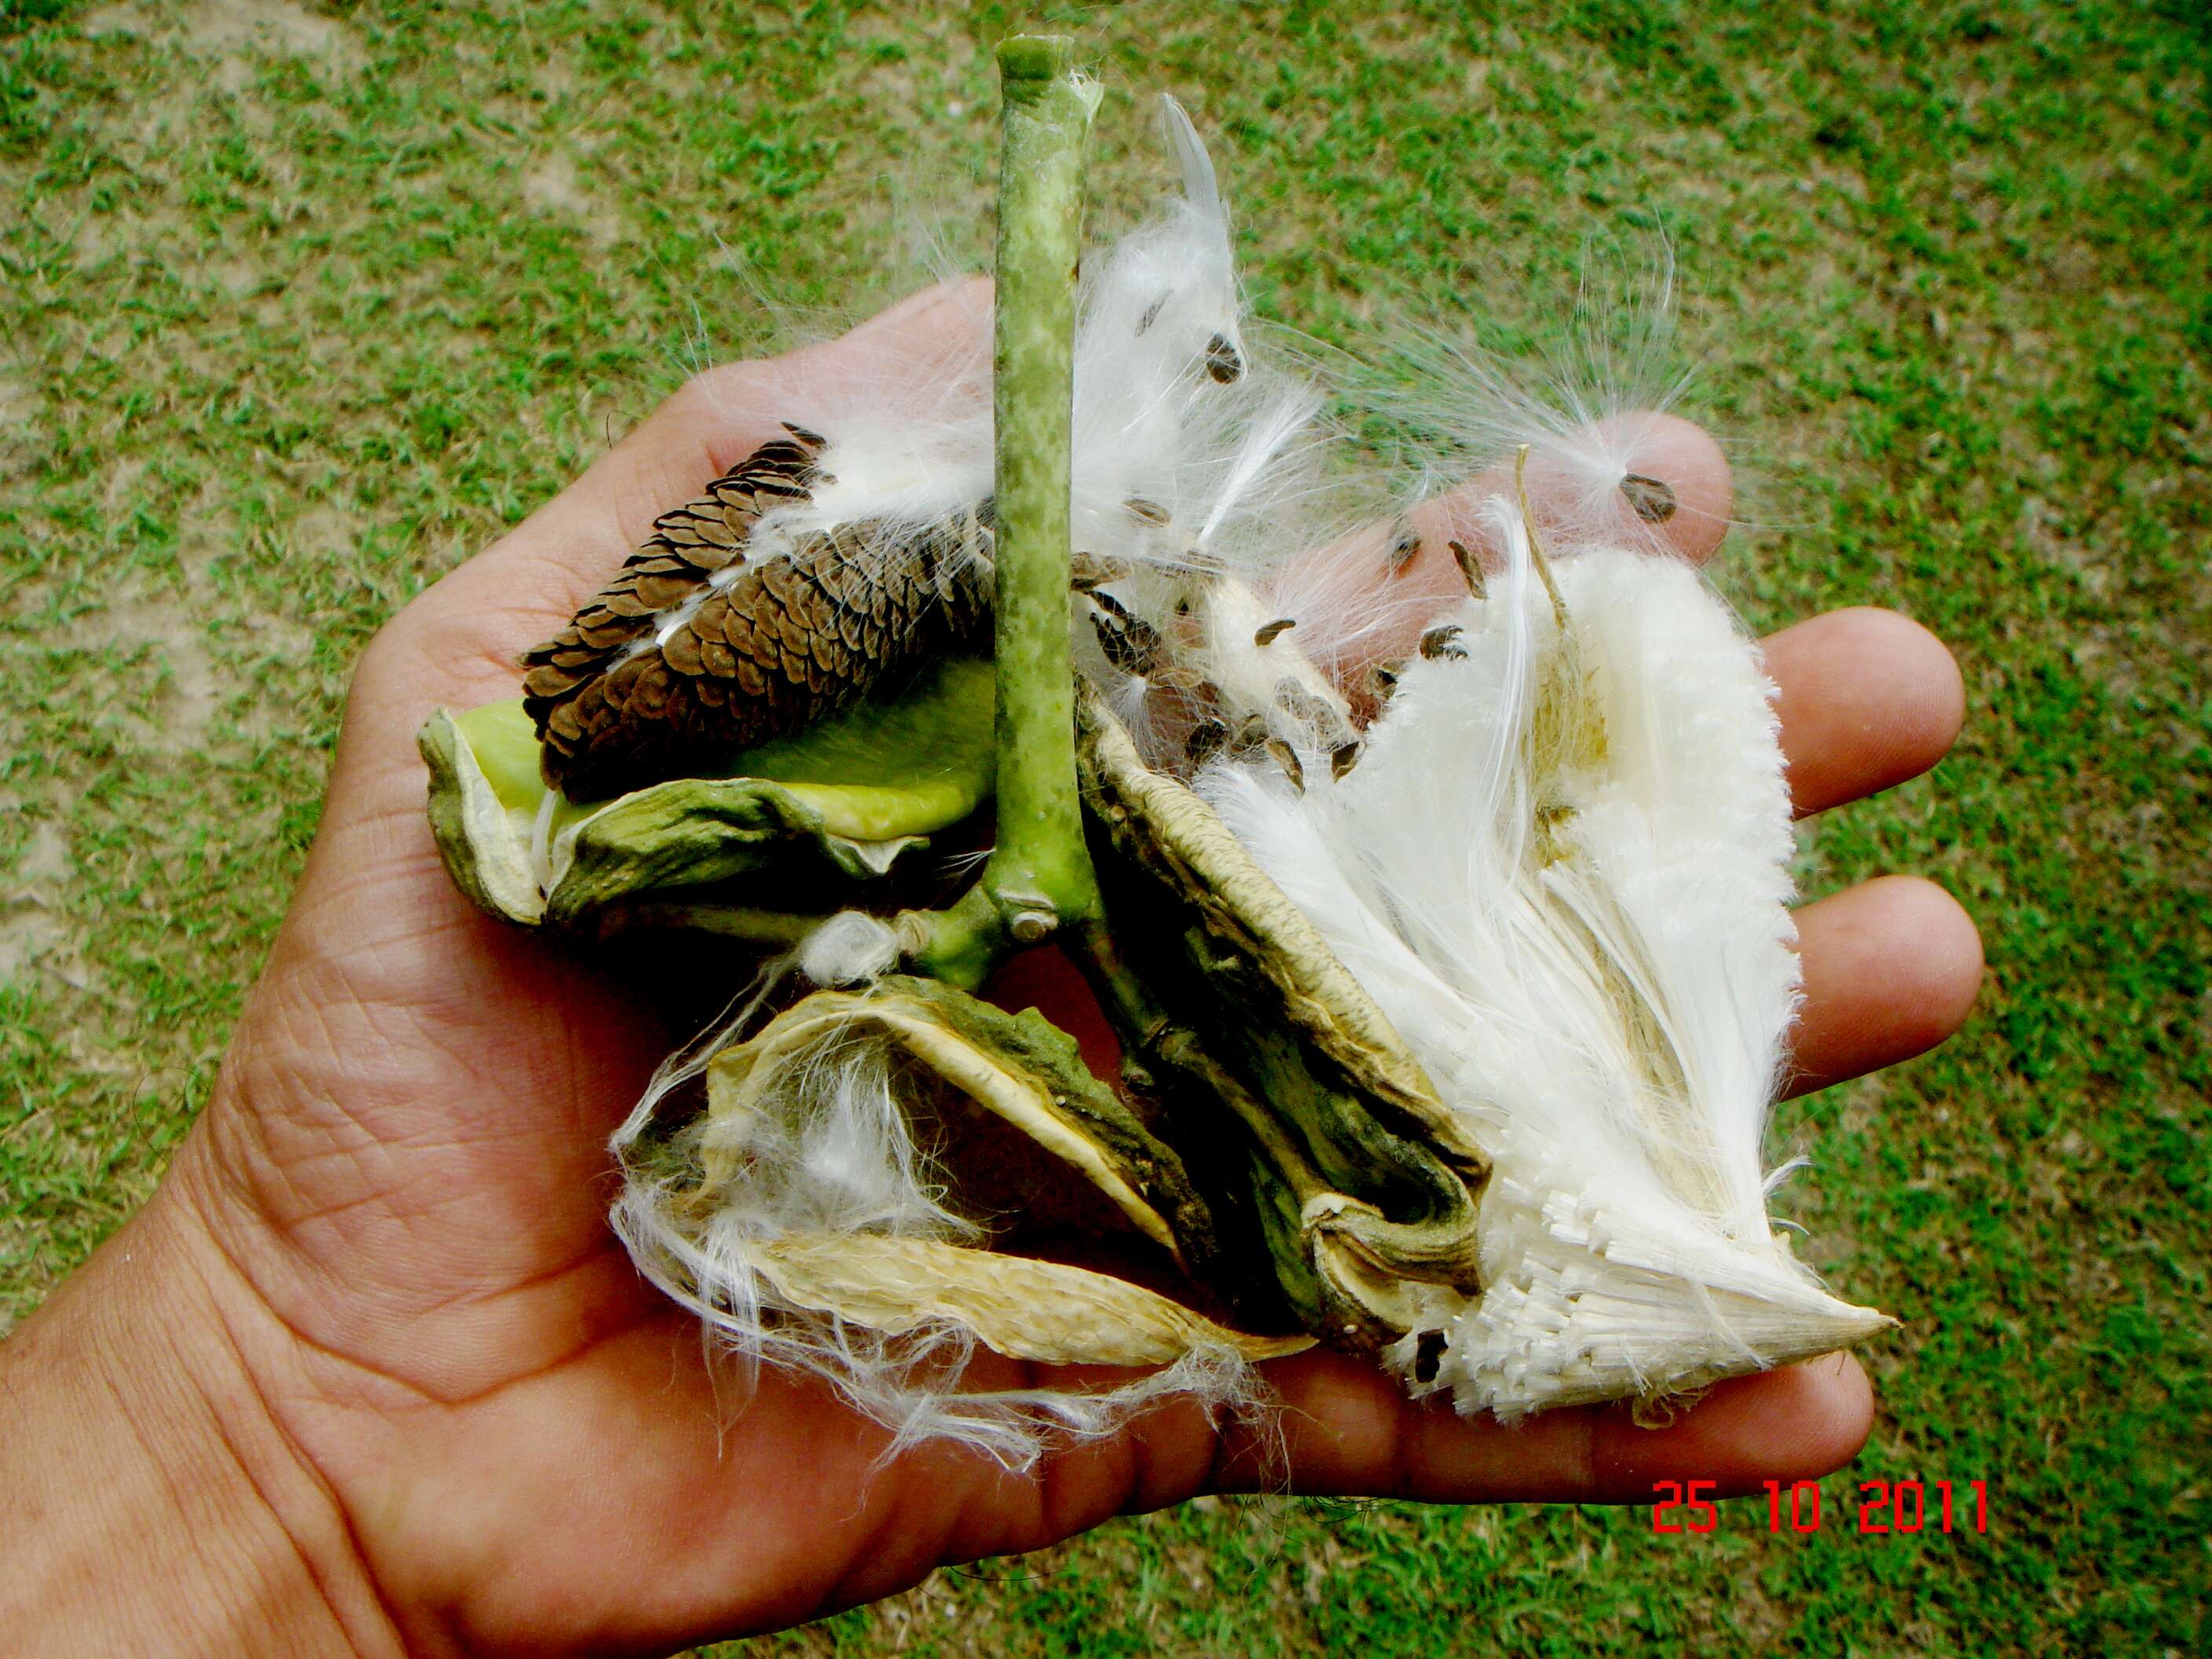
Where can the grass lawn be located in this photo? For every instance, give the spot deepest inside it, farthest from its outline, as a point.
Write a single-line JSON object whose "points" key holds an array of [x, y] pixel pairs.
{"points": [[300, 307]]}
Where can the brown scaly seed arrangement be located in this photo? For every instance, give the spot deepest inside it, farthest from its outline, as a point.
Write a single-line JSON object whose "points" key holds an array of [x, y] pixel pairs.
{"points": [[702, 649]]}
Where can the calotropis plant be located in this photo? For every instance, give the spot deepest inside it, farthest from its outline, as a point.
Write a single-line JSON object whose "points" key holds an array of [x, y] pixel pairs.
{"points": [[1443, 933]]}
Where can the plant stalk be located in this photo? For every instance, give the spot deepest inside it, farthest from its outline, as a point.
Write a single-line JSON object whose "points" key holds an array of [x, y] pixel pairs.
{"points": [[1039, 876]]}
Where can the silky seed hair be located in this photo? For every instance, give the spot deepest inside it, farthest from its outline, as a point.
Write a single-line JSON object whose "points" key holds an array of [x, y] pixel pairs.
{"points": [[1562, 871]]}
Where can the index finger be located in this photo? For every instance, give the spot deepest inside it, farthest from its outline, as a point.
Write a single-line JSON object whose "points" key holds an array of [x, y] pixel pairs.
{"points": [[1642, 478]]}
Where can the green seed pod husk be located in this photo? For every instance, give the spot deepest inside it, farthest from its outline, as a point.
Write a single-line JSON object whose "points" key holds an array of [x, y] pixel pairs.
{"points": [[799, 826], [1319, 1131]]}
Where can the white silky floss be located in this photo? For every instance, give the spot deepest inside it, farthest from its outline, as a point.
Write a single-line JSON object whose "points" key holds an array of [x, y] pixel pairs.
{"points": [[1194, 465], [1560, 868]]}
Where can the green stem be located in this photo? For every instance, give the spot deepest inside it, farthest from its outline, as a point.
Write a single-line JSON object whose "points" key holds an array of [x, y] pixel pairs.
{"points": [[1040, 875], [959, 944]]}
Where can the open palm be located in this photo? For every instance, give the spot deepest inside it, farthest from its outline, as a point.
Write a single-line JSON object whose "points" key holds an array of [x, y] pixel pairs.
{"points": [[506, 1442]]}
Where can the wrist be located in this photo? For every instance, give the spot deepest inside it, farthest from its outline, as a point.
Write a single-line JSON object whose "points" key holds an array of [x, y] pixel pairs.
{"points": [[154, 1502]]}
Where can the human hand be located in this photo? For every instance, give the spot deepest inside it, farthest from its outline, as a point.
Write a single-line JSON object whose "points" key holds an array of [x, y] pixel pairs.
{"points": [[371, 1370]]}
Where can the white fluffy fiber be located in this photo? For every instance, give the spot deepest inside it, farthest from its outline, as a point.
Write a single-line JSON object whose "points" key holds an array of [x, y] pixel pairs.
{"points": [[1580, 929], [850, 948]]}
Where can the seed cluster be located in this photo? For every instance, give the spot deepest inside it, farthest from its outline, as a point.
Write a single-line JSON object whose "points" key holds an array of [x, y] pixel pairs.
{"points": [[697, 651]]}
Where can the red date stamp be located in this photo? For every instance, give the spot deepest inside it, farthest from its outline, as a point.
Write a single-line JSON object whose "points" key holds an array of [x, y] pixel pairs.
{"points": [[1885, 1508]]}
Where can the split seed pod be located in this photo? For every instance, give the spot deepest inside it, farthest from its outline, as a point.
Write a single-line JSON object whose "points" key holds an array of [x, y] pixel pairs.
{"points": [[1290, 1096], [1561, 871], [883, 1181], [800, 827]]}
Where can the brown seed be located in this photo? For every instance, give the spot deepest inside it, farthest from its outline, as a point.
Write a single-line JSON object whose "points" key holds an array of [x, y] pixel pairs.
{"points": [[1131, 647], [1287, 758], [1222, 360], [1653, 499], [1145, 512], [710, 554], [610, 634], [1206, 740], [794, 637], [779, 579], [853, 628], [683, 652], [622, 678], [1470, 567], [1404, 547], [653, 691], [1268, 633], [672, 534], [1442, 642], [1086, 570], [1344, 757], [720, 619], [624, 601], [552, 681]]}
